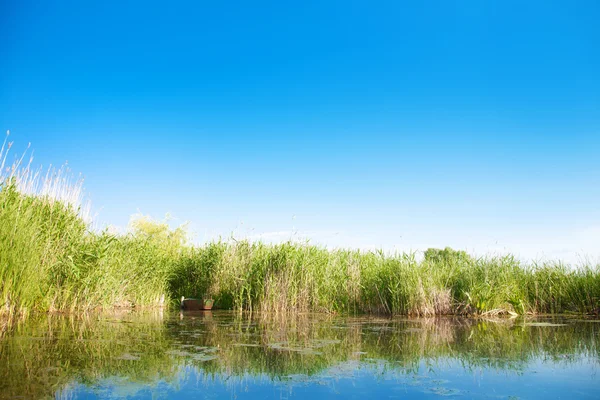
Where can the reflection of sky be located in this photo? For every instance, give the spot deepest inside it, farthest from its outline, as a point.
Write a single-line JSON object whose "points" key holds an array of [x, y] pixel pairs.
{"points": [[402, 126], [540, 379]]}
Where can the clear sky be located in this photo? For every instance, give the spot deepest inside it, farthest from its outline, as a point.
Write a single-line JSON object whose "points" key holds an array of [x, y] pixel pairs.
{"points": [[394, 125]]}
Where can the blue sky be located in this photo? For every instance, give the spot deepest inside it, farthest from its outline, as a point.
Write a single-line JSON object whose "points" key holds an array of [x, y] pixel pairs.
{"points": [[395, 125]]}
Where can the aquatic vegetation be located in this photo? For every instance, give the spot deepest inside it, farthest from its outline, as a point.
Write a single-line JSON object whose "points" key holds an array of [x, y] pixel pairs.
{"points": [[52, 260], [296, 277]]}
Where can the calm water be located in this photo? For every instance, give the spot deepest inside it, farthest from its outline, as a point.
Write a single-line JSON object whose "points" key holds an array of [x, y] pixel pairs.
{"points": [[225, 355]]}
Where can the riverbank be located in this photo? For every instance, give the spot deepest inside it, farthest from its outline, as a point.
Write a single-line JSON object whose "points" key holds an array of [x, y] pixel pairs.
{"points": [[52, 260]]}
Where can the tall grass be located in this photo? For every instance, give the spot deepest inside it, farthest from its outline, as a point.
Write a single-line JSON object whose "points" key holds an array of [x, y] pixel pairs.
{"points": [[300, 277], [51, 260]]}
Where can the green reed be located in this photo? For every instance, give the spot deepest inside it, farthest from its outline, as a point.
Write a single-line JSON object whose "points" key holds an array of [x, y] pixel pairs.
{"points": [[300, 277], [51, 260]]}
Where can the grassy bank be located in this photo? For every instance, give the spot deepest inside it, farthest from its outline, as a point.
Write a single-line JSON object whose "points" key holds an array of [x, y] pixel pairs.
{"points": [[296, 277], [51, 260]]}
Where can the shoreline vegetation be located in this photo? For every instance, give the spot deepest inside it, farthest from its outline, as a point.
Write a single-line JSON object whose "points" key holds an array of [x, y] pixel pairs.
{"points": [[51, 260]]}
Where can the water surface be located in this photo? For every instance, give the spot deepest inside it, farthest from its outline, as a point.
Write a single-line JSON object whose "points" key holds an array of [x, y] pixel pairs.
{"points": [[226, 355]]}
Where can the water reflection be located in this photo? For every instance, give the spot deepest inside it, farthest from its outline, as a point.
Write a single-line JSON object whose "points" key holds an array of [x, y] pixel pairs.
{"points": [[220, 353]]}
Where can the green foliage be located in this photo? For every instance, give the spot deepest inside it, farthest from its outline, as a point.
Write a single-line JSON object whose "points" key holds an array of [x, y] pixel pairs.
{"points": [[51, 261], [448, 256]]}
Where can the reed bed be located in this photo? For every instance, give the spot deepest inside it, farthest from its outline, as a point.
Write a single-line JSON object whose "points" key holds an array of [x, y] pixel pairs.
{"points": [[52, 260], [303, 278]]}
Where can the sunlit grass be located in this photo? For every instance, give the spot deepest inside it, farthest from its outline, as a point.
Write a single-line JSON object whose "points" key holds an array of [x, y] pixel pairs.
{"points": [[51, 260], [300, 277]]}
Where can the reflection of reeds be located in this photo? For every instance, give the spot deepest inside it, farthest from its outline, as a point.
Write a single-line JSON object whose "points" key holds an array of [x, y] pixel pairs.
{"points": [[47, 355]]}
